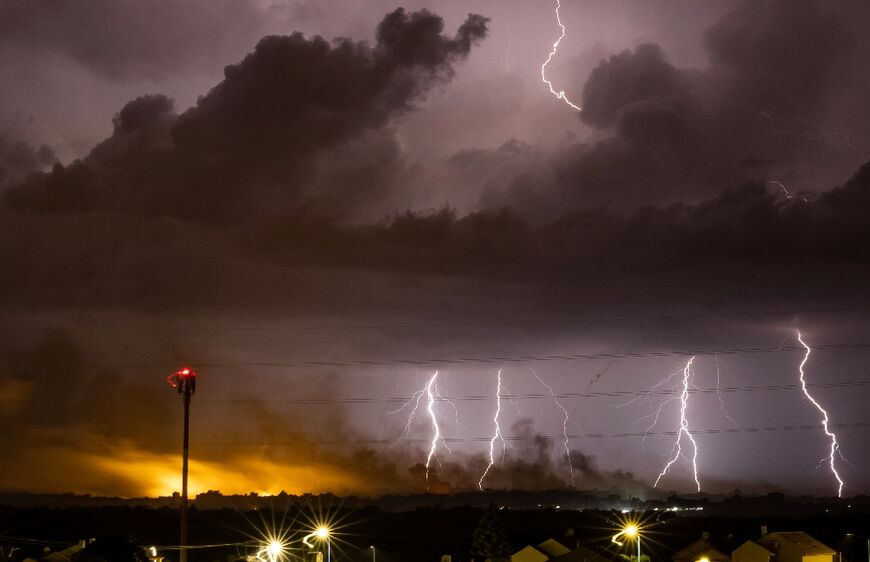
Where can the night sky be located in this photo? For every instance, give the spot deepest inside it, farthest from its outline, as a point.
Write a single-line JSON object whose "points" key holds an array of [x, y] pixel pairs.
{"points": [[318, 204]]}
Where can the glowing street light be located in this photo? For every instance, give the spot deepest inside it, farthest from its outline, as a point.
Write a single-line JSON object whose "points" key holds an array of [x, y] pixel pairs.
{"points": [[631, 531], [274, 550], [323, 534]]}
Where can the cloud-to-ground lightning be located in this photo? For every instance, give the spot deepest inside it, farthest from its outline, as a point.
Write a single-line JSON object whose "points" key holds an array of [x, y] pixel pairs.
{"points": [[561, 93], [835, 446], [684, 430], [430, 391], [436, 430], [564, 425], [496, 435], [719, 393]]}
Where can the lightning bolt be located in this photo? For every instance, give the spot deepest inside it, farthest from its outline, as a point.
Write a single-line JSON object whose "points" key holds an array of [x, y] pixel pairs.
{"points": [[564, 424], [415, 399], [835, 447], [847, 141], [784, 189], [436, 431], [658, 411], [719, 394], [496, 435], [684, 430], [560, 94], [430, 391]]}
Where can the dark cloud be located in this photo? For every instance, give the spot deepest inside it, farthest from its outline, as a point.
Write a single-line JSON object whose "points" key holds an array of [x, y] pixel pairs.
{"points": [[752, 223], [531, 462], [18, 159], [627, 79], [750, 231], [247, 144], [781, 56], [758, 111]]}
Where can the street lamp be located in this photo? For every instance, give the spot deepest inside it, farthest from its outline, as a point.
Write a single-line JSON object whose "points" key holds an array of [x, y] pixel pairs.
{"points": [[274, 550], [632, 532], [320, 533], [372, 548]]}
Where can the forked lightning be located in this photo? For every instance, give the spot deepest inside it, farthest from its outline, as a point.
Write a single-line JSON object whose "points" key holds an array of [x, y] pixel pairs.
{"points": [[430, 391], [496, 435], [561, 93], [835, 446], [684, 430], [564, 425]]}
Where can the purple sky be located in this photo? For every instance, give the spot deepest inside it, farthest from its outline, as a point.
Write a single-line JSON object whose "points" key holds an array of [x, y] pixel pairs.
{"points": [[313, 221]]}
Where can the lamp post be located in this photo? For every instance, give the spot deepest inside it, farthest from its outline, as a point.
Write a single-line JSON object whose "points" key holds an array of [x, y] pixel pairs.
{"points": [[320, 533], [184, 381], [323, 534], [632, 532], [274, 551], [372, 547]]}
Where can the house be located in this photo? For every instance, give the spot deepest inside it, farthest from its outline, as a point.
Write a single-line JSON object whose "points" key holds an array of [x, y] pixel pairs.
{"points": [[751, 551], [795, 546], [529, 554], [554, 548], [702, 550], [547, 550], [554, 551]]}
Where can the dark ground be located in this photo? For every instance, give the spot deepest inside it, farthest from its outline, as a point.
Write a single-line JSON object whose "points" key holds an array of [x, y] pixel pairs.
{"points": [[419, 535]]}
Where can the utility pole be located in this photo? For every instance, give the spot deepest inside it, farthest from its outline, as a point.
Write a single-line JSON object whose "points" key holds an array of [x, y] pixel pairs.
{"points": [[184, 381]]}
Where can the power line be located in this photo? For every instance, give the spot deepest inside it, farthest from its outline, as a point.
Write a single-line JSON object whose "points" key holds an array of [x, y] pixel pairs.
{"points": [[520, 438], [500, 359], [249, 543], [512, 438], [38, 542], [475, 324], [46, 542], [534, 396]]}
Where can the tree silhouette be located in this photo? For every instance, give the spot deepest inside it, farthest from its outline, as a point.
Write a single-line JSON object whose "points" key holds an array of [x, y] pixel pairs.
{"points": [[490, 539]]}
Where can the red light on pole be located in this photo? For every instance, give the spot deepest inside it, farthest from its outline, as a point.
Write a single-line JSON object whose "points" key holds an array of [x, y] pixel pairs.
{"points": [[184, 381]]}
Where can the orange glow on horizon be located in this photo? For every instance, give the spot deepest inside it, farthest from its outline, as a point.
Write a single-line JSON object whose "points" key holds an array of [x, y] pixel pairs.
{"points": [[160, 475], [126, 471]]}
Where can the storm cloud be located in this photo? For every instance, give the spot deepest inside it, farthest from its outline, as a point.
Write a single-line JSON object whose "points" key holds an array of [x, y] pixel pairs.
{"points": [[288, 234], [247, 145], [755, 113]]}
